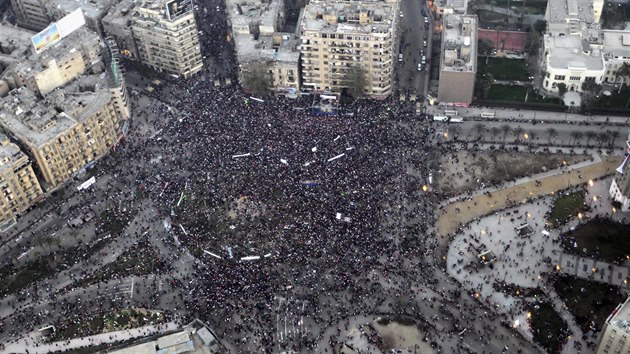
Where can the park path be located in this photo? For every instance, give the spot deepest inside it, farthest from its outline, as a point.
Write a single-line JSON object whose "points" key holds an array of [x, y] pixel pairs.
{"points": [[455, 214]]}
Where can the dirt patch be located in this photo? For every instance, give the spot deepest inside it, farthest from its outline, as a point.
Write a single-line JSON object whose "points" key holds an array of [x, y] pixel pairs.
{"points": [[468, 170], [397, 336]]}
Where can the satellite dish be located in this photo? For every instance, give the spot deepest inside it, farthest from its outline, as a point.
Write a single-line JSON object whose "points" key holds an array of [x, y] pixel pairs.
{"points": [[606, 93]]}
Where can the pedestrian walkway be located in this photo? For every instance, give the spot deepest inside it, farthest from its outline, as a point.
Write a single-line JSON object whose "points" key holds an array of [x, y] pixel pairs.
{"points": [[31, 343]]}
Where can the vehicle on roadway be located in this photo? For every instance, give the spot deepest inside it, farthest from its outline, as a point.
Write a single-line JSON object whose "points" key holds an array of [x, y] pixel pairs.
{"points": [[440, 118], [456, 120]]}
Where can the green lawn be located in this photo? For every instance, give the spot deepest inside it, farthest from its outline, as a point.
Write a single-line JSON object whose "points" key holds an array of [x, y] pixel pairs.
{"points": [[602, 238], [590, 302], [139, 259], [566, 207], [549, 329], [505, 69], [507, 93], [104, 322]]}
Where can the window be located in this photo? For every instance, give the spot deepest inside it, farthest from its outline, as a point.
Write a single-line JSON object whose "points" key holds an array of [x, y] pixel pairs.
{"points": [[559, 77], [589, 78], [574, 78]]}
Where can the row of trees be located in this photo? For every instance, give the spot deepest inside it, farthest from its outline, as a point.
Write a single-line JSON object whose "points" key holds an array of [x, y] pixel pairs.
{"points": [[521, 134]]}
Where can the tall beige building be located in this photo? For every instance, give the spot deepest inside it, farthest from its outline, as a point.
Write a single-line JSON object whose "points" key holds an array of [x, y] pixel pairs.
{"points": [[31, 14], [615, 336], [19, 187], [166, 36], [340, 38], [458, 59], [63, 132]]}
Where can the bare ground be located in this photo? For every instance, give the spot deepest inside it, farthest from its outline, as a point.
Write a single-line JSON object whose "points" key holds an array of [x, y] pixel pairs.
{"points": [[467, 170]]}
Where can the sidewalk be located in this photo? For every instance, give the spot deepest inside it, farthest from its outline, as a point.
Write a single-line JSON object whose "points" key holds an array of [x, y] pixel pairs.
{"points": [[31, 344]]}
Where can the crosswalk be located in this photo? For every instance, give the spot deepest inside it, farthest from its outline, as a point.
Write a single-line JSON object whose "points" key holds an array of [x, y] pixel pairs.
{"points": [[290, 316], [119, 291]]}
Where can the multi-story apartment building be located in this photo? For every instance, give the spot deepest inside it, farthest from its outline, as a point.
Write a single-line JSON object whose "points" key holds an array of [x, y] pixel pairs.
{"points": [[458, 59], [31, 14], [166, 36], [615, 336], [19, 187], [340, 38], [63, 132]]}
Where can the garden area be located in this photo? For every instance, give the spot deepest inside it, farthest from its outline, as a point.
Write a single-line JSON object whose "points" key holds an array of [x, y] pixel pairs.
{"points": [[617, 100], [139, 259], [566, 207], [104, 322], [588, 301], [504, 69], [521, 94], [15, 278], [529, 7], [548, 328], [600, 238]]}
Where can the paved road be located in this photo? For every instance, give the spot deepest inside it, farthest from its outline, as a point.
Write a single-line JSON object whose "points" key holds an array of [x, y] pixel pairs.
{"points": [[412, 32]]}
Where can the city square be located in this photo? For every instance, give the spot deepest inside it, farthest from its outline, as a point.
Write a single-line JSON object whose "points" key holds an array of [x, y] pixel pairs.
{"points": [[232, 191]]}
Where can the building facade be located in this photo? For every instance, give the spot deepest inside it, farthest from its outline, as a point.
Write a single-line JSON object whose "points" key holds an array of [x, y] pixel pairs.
{"points": [[342, 38], [31, 14], [167, 41], [615, 336], [458, 59], [19, 187], [63, 132]]}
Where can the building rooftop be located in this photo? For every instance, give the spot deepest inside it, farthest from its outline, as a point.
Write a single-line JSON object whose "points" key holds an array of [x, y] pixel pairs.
{"points": [[244, 12], [90, 8], [616, 43], [39, 121], [82, 39], [459, 43], [279, 47], [152, 8], [561, 11], [121, 13], [9, 154], [621, 319], [572, 52], [373, 17], [195, 338], [15, 42]]}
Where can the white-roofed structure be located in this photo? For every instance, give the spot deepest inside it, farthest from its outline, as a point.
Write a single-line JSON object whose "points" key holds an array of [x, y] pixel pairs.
{"points": [[571, 60]]}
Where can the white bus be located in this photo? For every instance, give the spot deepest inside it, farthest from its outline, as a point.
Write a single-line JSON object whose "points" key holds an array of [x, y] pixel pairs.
{"points": [[456, 120], [487, 114], [440, 118], [450, 113]]}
